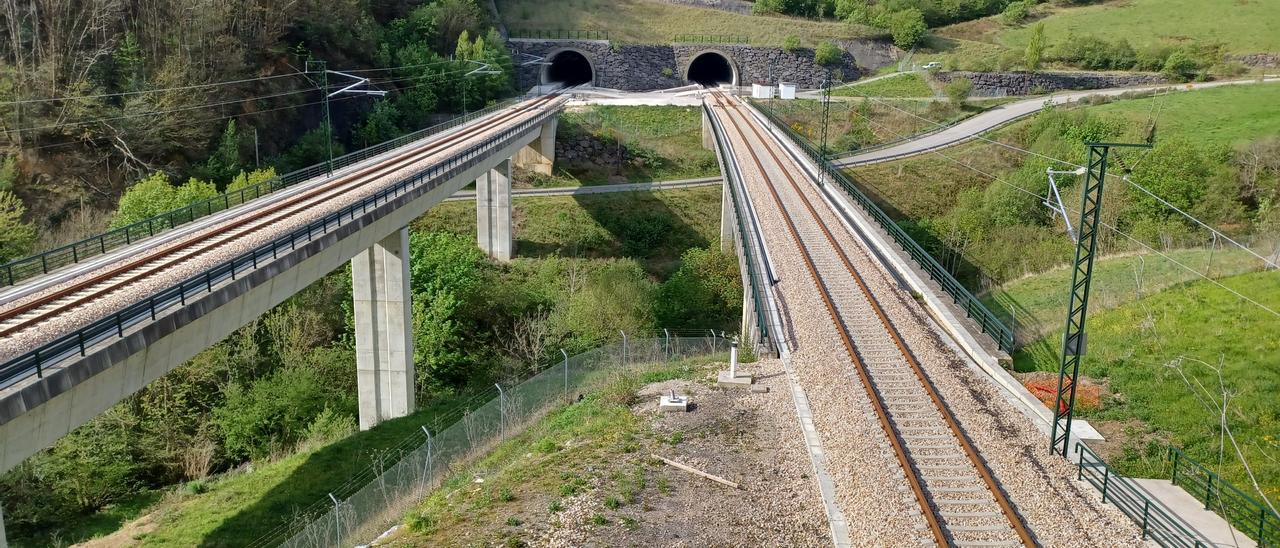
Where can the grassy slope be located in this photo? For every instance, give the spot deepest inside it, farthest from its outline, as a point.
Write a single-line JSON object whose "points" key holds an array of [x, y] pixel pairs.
{"points": [[1227, 115], [672, 134], [239, 507], [1244, 26], [1038, 302], [649, 21], [552, 459], [1131, 345], [909, 84]]}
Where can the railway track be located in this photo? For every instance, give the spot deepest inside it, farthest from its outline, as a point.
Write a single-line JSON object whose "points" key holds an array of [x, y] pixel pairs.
{"points": [[23, 316], [959, 498]]}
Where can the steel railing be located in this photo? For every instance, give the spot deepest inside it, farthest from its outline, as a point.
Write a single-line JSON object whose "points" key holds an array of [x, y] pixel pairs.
{"points": [[1242, 511], [730, 178], [1156, 522], [973, 308], [560, 34], [711, 39], [114, 326], [16, 271]]}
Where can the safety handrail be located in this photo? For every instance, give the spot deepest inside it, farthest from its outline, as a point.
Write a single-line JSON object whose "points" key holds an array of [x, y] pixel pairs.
{"points": [[752, 274], [711, 39], [1242, 511], [1155, 521], [13, 272], [973, 308], [560, 34], [114, 326]]}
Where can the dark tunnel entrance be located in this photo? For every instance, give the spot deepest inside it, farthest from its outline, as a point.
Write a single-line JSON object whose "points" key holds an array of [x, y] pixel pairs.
{"points": [[710, 69], [569, 68]]}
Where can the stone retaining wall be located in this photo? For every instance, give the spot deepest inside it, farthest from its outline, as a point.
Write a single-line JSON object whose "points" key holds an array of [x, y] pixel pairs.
{"points": [[998, 84], [635, 67]]}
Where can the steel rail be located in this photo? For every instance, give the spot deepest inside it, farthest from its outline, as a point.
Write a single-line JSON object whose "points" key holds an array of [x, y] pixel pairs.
{"points": [[341, 185], [933, 518]]}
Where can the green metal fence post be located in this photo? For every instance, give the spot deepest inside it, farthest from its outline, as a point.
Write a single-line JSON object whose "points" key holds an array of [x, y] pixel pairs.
{"points": [[1106, 479], [1146, 511], [1208, 491], [1173, 478], [1262, 526]]}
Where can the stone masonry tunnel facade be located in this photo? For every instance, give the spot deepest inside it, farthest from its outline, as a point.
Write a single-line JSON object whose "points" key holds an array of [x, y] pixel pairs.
{"points": [[638, 67]]}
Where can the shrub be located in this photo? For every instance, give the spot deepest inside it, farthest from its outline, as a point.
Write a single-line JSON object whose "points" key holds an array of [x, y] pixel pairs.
{"points": [[1179, 67], [908, 28], [827, 54], [1016, 12], [271, 413], [791, 43], [958, 90]]}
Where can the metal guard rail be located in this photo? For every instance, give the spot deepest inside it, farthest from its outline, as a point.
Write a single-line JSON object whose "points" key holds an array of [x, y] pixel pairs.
{"points": [[1242, 511], [711, 39], [986, 320], [752, 274], [1155, 521], [560, 34], [36, 265], [114, 326]]}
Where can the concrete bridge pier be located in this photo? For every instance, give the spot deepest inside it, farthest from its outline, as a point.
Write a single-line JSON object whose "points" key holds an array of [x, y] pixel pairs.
{"points": [[493, 212], [384, 330], [539, 155]]}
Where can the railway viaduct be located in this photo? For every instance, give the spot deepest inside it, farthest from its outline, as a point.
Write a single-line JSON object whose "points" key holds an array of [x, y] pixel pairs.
{"points": [[45, 395]]}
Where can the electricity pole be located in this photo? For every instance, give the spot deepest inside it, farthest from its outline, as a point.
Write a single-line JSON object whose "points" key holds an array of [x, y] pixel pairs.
{"points": [[321, 68], [1073, 335]]}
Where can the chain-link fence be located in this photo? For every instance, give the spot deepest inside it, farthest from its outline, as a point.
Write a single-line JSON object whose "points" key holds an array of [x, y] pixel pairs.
{"points": [[427, 458]]}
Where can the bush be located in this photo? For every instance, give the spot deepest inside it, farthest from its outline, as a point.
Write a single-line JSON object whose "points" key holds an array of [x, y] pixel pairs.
{"points": [[1179, 67], [1035, 48], [791, 43], [908, 28], [706, 291], [828, 54], [958, 90], [1016, 12], [246, 180], [272, 413]]}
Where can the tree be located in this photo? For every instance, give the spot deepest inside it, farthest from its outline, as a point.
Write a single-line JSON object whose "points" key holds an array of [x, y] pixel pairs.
{"points": [[1035, 47], [16, 236], [706, 291], [908, 28], [128, 64], [154, 195], [1015, 12], [380, 126], [958, 90], [828, 54], [224, 163], [246, 180]]}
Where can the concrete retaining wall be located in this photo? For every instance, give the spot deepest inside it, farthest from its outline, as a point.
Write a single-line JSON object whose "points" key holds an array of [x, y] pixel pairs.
{"points": [[636, 67], [997, 84]]}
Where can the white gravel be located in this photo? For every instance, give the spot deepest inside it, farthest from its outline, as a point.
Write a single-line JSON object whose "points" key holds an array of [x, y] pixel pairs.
{"points": [[279, 224], [870, 487]]}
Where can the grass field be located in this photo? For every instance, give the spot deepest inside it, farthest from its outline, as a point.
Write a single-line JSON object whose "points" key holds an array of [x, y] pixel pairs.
{"points": [[1228, 115], [648, 21], [910, 84], [238, 507], [1243, 26], [1037, 304], [652, 227], [663, 143], [1136, 349], [855, 124]]}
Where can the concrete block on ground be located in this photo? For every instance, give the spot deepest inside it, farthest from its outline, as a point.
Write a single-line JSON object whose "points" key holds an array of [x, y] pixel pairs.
{"points": [[673, 403], [741, 380]]}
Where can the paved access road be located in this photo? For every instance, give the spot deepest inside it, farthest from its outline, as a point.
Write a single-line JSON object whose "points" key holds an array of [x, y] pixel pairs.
{"points": [[971, 127]]}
